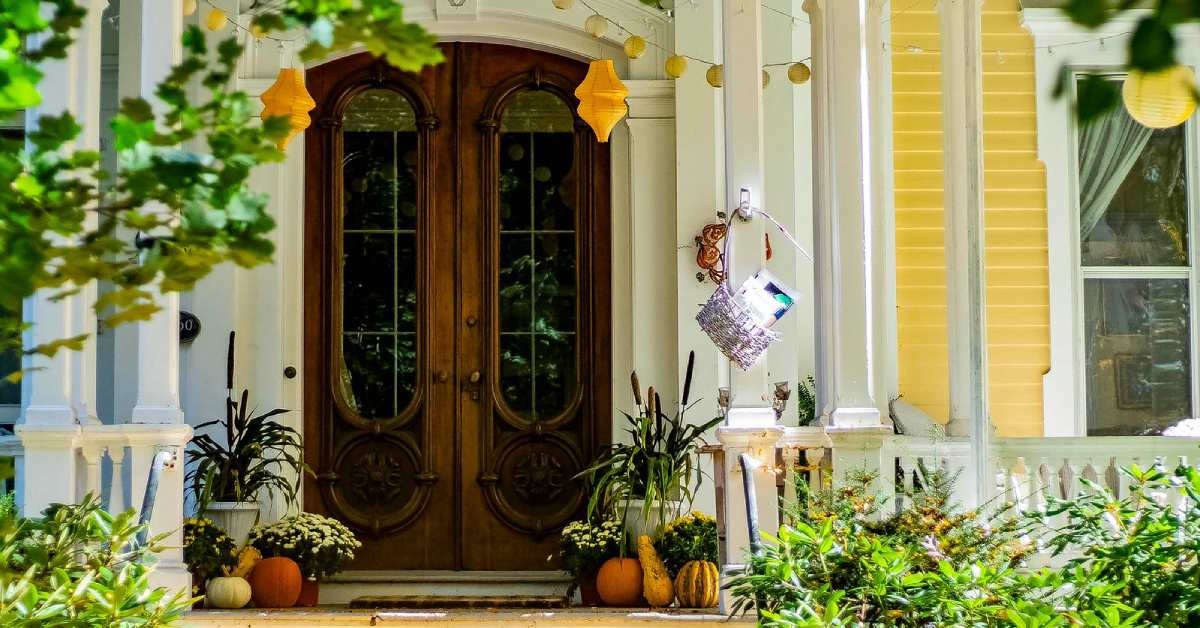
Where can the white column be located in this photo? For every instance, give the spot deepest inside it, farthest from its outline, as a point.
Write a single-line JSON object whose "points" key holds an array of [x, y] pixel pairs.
{"points": [[60, 392], [159, 48], [699, 192], [744, 167], [844, 181], [750, 424], [651, 149], [156, 47], [966, 312]]}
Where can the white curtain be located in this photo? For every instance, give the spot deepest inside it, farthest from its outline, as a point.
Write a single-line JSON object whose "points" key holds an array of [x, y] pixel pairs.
{"points": [[1108, 147]]}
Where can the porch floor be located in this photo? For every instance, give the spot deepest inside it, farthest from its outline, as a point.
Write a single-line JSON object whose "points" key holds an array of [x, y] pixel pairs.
{"points": [[345, 617]]}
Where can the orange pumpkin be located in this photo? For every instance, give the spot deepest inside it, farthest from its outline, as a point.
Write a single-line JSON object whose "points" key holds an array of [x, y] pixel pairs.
{"points": [[619, 582], [275, 583]]}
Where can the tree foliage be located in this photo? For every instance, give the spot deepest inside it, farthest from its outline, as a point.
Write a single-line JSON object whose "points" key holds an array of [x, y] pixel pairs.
{"points": [[1152, 44], [182, 183]]}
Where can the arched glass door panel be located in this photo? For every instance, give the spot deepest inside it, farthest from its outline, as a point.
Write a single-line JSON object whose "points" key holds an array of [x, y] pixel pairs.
{"points": [[379, 243], [538, 253]]}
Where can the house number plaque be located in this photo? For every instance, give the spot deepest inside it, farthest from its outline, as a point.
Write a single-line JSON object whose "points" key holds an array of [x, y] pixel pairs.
{"points": [[189, 327]]}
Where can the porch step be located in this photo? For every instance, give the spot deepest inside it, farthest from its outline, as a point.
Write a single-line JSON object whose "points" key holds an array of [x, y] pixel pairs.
{"points": [[459, 601], [349, 586], [340, 617]]}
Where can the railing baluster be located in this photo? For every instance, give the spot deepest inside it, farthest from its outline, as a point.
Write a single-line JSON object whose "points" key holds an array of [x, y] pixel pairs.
{"points": [[118, 502]]}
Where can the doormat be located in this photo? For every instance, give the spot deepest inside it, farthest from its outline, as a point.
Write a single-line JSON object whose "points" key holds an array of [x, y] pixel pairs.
{"points": [[459, 601]]}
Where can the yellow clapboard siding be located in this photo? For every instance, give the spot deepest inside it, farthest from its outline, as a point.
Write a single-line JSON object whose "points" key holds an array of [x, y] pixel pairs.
{"points": [[1015, 217]]}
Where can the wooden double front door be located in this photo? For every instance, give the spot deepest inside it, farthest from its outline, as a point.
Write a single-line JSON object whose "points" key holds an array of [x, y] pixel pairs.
{"points": [[456, 306]]}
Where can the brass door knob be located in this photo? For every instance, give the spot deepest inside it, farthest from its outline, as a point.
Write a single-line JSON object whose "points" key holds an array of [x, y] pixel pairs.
{"points": [[443, 377], [475, 377]]}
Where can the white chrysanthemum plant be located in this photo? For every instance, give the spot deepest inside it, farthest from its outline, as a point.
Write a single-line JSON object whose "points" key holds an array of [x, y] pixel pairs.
{"points": [[321, 546]]}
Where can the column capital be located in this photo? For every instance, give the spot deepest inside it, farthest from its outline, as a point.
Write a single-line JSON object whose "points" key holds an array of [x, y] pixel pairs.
{"points": [[653, 99]]}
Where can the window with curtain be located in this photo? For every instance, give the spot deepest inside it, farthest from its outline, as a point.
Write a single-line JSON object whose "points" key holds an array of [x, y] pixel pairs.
{"points": [[1136, 268]]}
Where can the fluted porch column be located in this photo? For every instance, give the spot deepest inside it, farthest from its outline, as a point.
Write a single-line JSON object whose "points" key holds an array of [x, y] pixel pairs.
{"points": [[846, 33], [156, 28], [966, 286], [60, 392]]}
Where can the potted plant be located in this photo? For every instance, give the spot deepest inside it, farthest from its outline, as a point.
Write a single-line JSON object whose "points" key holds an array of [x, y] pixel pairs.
{"points": [[644, 481], [258, 457], [208, 551], [688, 547], [319, 545], [583, 548]]}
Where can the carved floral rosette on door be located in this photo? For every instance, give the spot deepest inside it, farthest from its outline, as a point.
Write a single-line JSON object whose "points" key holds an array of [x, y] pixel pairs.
{"points": [[374, 469], [538, 162]]}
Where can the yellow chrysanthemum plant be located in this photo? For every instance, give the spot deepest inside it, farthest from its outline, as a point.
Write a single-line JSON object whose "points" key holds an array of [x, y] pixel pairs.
{"points": [[690, 537], [207, 550]]}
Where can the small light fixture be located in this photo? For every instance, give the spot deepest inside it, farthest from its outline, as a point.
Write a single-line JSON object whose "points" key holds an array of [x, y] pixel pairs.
{"points": [[602, 98], [288, 97]]}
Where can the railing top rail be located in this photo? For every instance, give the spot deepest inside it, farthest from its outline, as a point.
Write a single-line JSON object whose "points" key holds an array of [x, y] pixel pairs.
{"points": [[1092, 446]]}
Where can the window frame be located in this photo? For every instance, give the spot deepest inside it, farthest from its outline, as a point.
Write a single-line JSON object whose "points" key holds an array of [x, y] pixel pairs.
{"points": [[1061, 43], [10, 413], [1188, 271]]}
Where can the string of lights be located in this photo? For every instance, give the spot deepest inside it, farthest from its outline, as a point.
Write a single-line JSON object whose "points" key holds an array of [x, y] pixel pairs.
{"points": [[217, 19]]}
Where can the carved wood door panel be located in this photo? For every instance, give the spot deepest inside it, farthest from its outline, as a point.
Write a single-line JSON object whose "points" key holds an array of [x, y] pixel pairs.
{"points": [[456, 306]]}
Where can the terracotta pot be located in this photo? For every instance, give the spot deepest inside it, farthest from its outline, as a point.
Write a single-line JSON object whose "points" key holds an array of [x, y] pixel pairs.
{"points": [[588, 595], [310, 593], [619, 582]]}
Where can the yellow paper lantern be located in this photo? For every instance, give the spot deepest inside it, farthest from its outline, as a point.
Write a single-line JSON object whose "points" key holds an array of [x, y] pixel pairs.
{"points": [[257, 31], [766, 78], [602, 98], [1160, 100], [216, 20], [288, 97], [635, 46], [798, 73], [596, 25], [715, 75], [563, 5], [190, 6], [676, 65]]}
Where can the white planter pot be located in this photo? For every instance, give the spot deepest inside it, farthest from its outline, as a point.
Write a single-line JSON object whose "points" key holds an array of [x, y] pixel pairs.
{"points": [[236, 518], [639, 522]]}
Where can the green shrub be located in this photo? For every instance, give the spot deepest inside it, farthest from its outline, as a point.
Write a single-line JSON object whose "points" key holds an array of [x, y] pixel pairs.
{"points": [[837, 562], [79, 565], [1142, 550]]}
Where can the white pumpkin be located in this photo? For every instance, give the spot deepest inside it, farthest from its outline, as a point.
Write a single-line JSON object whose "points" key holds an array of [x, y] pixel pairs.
{"points": [[228, 592]]}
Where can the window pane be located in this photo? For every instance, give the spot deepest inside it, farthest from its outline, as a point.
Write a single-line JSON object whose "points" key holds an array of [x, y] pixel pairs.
{"points": [[1138, 355], [379, 298], [1133, 193], [10, 362], [537, 296], [10, 392]]}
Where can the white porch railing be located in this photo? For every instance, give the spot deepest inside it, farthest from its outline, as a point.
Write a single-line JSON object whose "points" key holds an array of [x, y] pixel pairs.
{"points": [[112, 461], [1028, 470]]}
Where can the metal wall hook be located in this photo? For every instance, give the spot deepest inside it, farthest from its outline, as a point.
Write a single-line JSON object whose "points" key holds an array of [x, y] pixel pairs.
{"points": [[744, 210]]}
